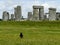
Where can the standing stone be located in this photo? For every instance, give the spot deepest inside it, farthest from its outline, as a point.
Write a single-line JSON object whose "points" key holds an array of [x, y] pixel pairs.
{"points": [[41, 13], [12, 16], [35, 14], [38, 13], [58, 16], [52, 14], [5, 16], [46, 16], [30, 16], [18, 13]]}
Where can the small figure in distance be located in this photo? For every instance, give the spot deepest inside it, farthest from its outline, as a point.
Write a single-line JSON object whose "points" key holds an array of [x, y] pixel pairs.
{"points": [[21, 35]]}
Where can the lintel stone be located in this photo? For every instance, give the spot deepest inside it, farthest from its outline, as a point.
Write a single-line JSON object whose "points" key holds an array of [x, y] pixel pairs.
{"points": [[38, 7], [52, 9]]}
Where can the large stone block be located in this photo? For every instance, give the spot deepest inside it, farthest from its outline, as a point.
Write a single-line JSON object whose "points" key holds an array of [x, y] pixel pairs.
{"points": [[18, 13], [30, 16], [52, 14], [12, 16], [41, 13], [58, 16], [38, 13], [38, 7], [35, 14], [5, 16]]}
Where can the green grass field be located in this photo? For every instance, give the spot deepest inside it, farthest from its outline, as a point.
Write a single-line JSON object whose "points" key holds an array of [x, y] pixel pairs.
{"points": [[35, 33]]}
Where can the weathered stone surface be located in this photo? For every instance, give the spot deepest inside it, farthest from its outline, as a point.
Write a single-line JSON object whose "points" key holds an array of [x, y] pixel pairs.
{"points": [[58, 16], [46, 16], [37, 7], [18, 13], [35, 14], [38, 13], [12, 16], [41, 13], [52, 14], [5, 16], [30, 16]]}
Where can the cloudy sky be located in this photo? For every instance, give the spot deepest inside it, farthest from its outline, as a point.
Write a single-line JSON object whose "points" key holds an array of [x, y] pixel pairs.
{"points": [[8, 5]]}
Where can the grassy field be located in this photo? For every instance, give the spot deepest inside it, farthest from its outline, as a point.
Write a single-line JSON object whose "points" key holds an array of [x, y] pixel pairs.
{"points": [[35, 33]]}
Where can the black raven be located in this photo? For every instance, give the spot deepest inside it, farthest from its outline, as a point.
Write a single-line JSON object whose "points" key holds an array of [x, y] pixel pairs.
{"points": [[21, 35]]}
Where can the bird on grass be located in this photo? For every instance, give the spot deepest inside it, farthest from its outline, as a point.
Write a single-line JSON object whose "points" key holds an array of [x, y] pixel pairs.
{"points": [[21, 35]]}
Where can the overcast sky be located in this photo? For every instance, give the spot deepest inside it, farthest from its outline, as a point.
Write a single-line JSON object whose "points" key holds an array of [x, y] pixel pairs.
{"points": [[8, 5]]}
